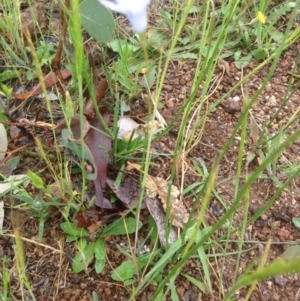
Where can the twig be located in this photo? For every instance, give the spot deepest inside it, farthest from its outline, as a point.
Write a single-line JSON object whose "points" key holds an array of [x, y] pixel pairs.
{"points": [[57, 59]]}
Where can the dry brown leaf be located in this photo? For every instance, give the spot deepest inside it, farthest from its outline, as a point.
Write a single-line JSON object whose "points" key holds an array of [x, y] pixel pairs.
{"points": [[155, 208], [222, 64], [159, 187], [254, 130], [49, 80]]}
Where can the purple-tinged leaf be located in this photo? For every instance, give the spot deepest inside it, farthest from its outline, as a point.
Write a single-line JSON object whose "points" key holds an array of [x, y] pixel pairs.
{"points": [[100, 146]]}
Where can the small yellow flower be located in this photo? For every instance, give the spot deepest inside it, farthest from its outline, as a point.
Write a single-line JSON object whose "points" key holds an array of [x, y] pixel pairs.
{"points": [[261, 17]]}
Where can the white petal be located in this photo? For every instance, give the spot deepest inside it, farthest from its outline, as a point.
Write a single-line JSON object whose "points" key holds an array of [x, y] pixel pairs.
{"points": [[134, 10], [113, 6], [126, 6], [138, 21]]}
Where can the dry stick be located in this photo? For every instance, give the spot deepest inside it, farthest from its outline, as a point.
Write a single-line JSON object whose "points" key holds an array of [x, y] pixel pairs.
{"points": [[100, 90], [57, 59], [34, 242]]}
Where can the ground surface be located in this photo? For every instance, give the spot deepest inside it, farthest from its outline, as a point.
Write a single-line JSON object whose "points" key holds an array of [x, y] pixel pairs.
{"points": [[48, 265]]}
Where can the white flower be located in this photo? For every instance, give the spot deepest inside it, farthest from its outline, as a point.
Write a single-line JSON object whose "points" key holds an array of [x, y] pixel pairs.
{"points": [[134, 10]]}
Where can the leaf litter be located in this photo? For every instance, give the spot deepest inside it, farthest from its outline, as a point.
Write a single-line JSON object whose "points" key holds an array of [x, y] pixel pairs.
{"points": [[3, 141], [157, 187], [50, 80], [157, 203]]}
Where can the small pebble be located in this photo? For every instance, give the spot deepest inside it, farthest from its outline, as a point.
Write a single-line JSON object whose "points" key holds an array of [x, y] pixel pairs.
{"points": [[281, 281], [168, 88], [264, 217], [170, 103]]}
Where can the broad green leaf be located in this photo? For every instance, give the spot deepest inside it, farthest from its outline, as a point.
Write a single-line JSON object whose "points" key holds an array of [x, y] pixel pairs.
{"points": [[82, 243], [76, 146], [83, 258], [97, 20], [121, 226], [99, 250], [124, 272], [5, 90], [72, 230], [95, 296], [276, 35], [291, 253], [185, 40], [36, 180], [233, 43], [122, 46], [130, 281], [10, 165], [194, 9], [243, 61], [127, 270], [148, 79], [260, 54], [8, 74], [296, 221], [71, 238], [237, 55]]}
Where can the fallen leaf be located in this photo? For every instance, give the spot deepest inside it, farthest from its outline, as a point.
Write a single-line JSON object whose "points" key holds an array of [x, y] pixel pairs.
{"points": [[97, 150], [94, 218], [100, 146], [291, 253], [128, 192], [152, 126], [156, 210], [254, 130], [77, 128], [158, 187], [296, 221], [127, 128], [222, 64], [130, 130], [49, 80], [3, 141], [89, 109]]}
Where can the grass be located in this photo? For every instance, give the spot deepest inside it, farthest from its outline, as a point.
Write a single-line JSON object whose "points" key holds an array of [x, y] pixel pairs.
{"points": [[220, 30]]}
